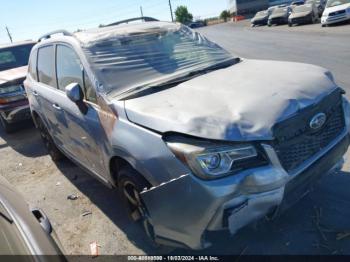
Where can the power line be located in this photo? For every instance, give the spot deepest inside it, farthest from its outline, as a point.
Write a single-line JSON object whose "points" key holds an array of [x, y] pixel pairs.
{"points": [[171, 11], [8, 33]]}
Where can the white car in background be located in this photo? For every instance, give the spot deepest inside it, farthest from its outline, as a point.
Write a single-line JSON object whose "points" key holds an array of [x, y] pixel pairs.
{"points": [[336, 11]]}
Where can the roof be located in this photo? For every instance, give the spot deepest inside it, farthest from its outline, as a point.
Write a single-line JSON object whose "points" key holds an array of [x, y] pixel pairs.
{"points": [[17, 44], [88, 37]]}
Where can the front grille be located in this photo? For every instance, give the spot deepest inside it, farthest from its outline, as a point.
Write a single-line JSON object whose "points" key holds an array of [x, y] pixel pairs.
{"points": [[296, 142], [337, 13], [305, 19]]}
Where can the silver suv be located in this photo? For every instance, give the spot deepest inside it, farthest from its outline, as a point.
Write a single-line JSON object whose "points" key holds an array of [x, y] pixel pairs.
{"points": [[196, 139]]}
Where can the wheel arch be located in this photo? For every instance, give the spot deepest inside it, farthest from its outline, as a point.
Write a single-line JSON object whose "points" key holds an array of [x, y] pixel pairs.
{"points": [[117, 162]]}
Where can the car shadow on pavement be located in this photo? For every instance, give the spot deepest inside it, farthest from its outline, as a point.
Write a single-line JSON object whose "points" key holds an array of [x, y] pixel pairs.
{"points": [[109, 202], [24, 140]]}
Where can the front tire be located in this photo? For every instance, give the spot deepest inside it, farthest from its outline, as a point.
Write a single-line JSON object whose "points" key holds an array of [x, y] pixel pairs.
{"points": [[50, 145], [131, 184]]}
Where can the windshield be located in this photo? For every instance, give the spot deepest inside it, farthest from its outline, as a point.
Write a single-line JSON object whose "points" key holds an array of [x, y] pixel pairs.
{"points": [[13, 57], [141, 59], [261, 13], [331, 3], [282, 10], [302, 8], [313, 1]]}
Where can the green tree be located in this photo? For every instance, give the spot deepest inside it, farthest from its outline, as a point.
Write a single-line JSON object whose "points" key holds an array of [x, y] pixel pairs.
{"points": [[225, 15], [182, 15]]}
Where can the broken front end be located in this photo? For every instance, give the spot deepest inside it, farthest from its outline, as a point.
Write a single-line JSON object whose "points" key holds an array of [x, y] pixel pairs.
{"points": [[230, 185]]}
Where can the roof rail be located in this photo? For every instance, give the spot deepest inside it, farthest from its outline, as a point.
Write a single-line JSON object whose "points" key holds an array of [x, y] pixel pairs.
{"points": [[144, 18], [48, 35]]}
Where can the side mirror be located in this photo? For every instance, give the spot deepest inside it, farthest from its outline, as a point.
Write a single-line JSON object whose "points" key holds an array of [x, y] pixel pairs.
{"points": [[74, 92]]}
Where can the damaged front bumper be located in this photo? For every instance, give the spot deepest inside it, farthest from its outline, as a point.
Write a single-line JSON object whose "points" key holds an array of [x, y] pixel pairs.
{"points": [[184, 209]]}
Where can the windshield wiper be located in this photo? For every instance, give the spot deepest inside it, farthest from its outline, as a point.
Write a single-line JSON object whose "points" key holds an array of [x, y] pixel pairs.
{"points": [[139, 91]]}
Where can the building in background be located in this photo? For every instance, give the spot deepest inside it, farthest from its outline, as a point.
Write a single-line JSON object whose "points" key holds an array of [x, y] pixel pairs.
{"points": [[243, 7]]}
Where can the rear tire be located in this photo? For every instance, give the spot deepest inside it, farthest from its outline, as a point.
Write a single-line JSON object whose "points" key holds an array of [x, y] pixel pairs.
{"points": [[50, 145], [8, 128]]}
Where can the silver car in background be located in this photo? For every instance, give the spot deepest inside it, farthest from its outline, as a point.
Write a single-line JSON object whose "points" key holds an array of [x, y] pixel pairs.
{"points": [[196, 139]]}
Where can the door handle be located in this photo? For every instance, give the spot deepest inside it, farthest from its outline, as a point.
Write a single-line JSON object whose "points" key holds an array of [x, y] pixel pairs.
{"points": [[57, 107], [35, 93], [42, 219]]}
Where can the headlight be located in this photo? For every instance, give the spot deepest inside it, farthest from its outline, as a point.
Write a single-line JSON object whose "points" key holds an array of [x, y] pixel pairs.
{"points": [[211, 161]]}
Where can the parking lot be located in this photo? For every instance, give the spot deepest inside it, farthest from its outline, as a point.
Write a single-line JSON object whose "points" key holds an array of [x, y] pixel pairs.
{"points": [[318, 225]]}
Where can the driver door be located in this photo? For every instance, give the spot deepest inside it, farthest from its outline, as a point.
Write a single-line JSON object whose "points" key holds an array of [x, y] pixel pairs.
{"points": [[85, 133]]}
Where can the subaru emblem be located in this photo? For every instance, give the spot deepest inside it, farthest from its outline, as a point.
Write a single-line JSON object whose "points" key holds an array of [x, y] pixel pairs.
{"points": [[318, 121]]}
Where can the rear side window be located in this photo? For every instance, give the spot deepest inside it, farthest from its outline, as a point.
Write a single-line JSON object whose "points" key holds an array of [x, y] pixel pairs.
{"points": [[32, 65], [69, 69], [46, 66]]}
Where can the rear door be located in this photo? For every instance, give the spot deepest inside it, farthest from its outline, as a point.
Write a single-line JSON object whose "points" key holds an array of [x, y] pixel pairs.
{"points": [[49, 96]]}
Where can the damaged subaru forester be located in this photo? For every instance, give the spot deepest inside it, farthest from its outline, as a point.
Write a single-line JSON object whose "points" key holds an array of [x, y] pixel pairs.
{"points": [[196, 139]]}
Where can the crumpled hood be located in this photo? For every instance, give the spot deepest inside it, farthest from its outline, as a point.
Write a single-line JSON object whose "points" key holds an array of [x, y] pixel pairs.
{"points": [[238, 103], [300, 14], [13, 74], [335, 8]]}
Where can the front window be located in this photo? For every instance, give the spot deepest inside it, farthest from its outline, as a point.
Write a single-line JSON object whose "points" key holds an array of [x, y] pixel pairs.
{"points": [[151, 56], [332, 3], [15, 56], [70, 70], [68, 67]]}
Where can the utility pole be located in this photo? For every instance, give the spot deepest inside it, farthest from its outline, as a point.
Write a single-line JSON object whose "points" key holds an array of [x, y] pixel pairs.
{"points": [[141, 11], [171, 11], [8, 33]]}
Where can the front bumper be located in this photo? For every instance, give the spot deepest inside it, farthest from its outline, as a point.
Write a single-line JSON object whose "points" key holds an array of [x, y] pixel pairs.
{"points": [[15, 111], [184, 209], [278, 21], [327, 20], [259, 21], [301, 20]]}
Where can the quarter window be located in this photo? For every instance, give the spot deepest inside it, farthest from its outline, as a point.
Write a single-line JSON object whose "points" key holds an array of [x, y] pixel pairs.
{"points": [[69, 69], [32, 65], [90, 94], [46, 66]]}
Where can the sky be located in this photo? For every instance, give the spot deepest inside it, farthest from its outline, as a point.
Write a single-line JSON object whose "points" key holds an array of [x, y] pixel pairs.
{"points": [[29, 19]]}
